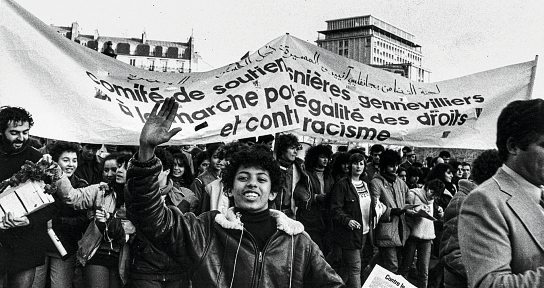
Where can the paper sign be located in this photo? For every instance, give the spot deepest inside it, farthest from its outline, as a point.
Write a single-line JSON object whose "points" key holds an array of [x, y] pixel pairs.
{"points": [[382, 278]]}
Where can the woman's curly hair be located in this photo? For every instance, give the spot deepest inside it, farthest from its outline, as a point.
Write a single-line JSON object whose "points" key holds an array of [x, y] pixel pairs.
{"points": [[255, 156], [313, 153], [60, 147]]}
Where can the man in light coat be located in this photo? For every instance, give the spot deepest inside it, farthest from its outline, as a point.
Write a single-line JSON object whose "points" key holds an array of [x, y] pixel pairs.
{"points": [[500, 225]]}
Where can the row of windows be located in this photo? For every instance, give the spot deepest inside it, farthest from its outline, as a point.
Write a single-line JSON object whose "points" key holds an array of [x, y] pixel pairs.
{"points": [[162, 65], [391, 56], [348, 23], [381, 61], [142, 50], [397, 51]]}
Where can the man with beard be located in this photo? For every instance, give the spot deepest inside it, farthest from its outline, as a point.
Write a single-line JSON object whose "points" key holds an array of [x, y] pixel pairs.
{"points": [[19, 252], [15, 124]]}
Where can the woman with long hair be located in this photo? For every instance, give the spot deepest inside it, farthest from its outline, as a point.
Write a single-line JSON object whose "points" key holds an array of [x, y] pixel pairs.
{"points": [[102, 269], [181, 174]]}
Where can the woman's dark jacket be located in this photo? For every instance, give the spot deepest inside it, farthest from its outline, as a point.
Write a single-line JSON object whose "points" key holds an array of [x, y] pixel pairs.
{"points": [[69, 224], [345, 207], [311, 202]]}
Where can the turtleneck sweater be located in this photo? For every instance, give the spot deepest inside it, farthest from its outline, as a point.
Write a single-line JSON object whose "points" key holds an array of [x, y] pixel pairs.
{"points": [[259, 224]]}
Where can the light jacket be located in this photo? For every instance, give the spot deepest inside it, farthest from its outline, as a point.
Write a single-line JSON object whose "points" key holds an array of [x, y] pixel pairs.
{"points": [[392, 231], [218, 199], [216, 249], [421, 228]]}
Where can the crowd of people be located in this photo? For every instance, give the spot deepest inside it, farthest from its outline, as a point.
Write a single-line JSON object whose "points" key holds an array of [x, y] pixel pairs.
{"points": [[251, 213]]}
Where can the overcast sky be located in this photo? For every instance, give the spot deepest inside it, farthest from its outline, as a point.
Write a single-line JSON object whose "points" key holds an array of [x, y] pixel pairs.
{"points": [[457, 37]]}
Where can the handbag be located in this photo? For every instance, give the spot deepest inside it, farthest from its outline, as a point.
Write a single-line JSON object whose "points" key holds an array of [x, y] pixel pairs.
{"points": [[387, 234], [90, 242], [88, 245]]}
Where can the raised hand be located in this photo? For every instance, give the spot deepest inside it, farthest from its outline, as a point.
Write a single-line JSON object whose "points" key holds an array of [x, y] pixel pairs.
{"points": [[156, 130]]}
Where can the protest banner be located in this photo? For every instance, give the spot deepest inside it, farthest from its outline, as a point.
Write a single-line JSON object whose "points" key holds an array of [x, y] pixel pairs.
{"points": [[383, 278], [78, 94]]}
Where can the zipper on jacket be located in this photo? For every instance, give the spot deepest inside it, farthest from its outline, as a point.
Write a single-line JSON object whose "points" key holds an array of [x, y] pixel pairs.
{"points": [[261, 258], [310, 191]]}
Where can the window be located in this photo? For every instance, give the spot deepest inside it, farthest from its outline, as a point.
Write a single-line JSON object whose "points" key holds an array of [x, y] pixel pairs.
{"points": [[151, 64], [158, 51], [343, 48], [164, 64], [123, 48], [132, 62], [142, 50]]}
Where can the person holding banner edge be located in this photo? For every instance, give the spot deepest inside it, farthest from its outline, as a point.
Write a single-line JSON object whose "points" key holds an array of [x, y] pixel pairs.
{"points": [[286, 256]]}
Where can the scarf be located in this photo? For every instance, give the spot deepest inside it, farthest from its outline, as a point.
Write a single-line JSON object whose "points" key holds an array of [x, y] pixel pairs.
{"points": [[389, 177], [285, 163]]}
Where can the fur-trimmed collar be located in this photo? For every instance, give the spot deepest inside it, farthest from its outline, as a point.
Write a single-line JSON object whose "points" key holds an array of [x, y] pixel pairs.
{"points": [[232, 221]]}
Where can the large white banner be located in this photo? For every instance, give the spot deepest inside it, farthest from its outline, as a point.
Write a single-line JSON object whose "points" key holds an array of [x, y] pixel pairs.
{"points": [[78, 94]]}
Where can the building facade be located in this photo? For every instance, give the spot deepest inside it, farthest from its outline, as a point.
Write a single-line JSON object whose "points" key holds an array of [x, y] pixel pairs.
{"points": [[153, 55], [374, 42]]}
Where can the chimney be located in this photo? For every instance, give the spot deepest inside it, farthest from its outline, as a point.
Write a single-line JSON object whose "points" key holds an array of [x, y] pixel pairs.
{"points": [[75, 31], [144, 38], [95, 36]]}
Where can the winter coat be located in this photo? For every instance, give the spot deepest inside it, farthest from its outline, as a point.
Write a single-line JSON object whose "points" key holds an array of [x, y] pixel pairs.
{"points": [[345, 206], [311, 201], [148, 261], [392, 231], [216, 249]]}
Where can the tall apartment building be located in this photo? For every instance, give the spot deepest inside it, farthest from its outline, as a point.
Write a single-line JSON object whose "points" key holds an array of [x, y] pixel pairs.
{"points": [[374, 42], [153, 55]]}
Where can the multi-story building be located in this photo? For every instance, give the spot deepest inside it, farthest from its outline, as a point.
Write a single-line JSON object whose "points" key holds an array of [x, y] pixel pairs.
{"points": [[153, 55], [374, 42]]}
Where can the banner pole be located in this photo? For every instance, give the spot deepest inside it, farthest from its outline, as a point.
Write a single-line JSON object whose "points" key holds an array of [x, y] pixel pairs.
{"points": [[532, 82]]}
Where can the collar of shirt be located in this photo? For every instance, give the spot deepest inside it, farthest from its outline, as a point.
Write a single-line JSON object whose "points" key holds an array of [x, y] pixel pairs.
{"points": [[535, 192]]}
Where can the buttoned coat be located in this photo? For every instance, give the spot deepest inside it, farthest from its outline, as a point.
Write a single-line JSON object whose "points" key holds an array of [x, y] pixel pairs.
{"points": [[501, 235]]}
